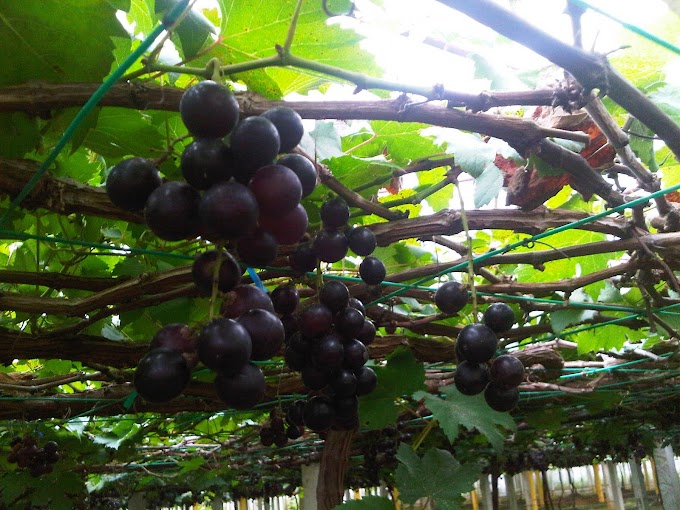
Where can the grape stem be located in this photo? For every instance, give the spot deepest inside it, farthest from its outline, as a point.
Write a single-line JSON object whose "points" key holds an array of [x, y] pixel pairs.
{"points": [[470, 254], [291, 29]]}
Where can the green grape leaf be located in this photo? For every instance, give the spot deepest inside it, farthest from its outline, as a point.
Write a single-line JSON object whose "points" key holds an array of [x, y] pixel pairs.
{"points": [[604, 338], [192, 32], [560, 319], [436, 475], [367, 503], [19, 134], [123, 132], [456, 410], [402, 376], [326, 139], [488, 185], [399, 142], [54, 40]]}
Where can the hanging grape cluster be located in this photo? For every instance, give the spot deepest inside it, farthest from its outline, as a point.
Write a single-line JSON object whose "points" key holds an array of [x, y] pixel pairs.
{"points": [[28, 455], [477, 370]]}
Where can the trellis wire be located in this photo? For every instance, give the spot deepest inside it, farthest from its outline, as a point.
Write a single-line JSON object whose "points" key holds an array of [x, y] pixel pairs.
{"points": [[629, 26], [167, 22], [537, 237]]}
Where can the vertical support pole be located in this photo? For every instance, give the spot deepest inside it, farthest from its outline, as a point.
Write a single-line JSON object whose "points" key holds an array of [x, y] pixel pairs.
{"points": [[242, 504], [532, 502], [638, 483], [598, 483], [655, 479], [473, 498], [510, 491], [648, 478], [539, 489], [614, 486], [667, 477], [395, 498], [310, 481], [485, 489], [333, 468], [357, 494]]}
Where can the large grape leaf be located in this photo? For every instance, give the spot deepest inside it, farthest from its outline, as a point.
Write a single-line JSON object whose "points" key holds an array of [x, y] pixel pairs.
{"points": [[194, 30], [437, 475], [58, 40], [251, 30], [604, 338], [456, 410], [402, 376]]}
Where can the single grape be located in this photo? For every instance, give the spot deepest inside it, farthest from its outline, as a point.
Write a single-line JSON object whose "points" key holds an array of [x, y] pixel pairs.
{"points": [[209, 109], [450, 297], [206, 161], [243, 298], [287, 228], [255, 142], [499, 317], [228, 210], [343, 383], [355, 303], [328, 352], [367, 333], [334, 213], [372, 271], [277, 189], [471, 378], [318, 414], [303, 168], [266, 333], [362, 241], [203, 271], [161, 375], [330, 245], [314, 378], [285, 299], [224, 345], [501, 399], [130, 183], [315, 320], [477, 343], [334, 295], [303, 259], [348, 322], [243, 389], [355, 354], [507, 371], [288, 124], [171, 211], [366, 380], [257, 248], [176, 336]]}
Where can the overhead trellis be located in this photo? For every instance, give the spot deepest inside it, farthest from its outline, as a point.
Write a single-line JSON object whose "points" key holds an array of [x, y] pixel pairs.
{"points": [[86, 285]]}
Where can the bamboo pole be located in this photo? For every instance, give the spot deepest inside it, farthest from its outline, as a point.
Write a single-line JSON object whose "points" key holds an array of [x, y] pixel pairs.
{"points": [[598, 483], [473, 498], [533, 504], [395, 498]]}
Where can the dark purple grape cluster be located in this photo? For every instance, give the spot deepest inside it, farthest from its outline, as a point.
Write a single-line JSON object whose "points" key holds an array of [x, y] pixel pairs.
{"points": [[283, 425], [476, 372], [381, 449], [27, 454], [327, 344], [334, 241], [232, 192]]}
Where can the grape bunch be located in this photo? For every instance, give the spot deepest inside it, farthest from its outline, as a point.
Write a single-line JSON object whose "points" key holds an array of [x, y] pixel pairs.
{"points": [[382, 449], [280, 428], [27, 455], [475, 348], [327, 344], [235, 192], [334, 241]]}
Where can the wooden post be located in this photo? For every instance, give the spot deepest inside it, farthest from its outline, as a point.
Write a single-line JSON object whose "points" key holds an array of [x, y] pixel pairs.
{"points": [[614, 486], [655, 479], [539, 489], [310, 481], [638, 483], [648, 478], [242, 504], [667, 477], [598, 483]]}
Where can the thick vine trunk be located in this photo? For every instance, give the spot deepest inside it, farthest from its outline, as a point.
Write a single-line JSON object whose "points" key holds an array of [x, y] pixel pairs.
{"points": [[334, 463]]}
